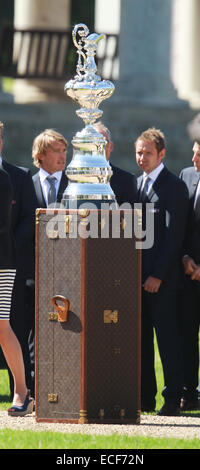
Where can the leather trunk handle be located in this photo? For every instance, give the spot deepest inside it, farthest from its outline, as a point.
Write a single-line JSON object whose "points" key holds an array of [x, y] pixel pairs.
{"points": [[62, 310]]}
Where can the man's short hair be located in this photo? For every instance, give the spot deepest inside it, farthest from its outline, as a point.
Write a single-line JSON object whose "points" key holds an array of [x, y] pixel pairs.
{"points": [[99, 126], [153, 135], [43, 141]]}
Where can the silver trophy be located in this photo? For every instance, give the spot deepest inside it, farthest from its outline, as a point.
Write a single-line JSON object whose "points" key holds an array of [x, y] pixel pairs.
{"points": [[88, 172]]}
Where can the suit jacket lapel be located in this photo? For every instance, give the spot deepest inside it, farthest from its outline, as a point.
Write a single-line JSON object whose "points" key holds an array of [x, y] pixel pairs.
{"points": [[195, 184], [4, 165], [62, 187], [152, 196], [139, 182], [139, 185], [153, 192], [39, 193], [192, 199]]}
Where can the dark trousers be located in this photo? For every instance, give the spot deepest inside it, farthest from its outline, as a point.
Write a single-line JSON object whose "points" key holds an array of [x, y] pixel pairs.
{"points": [[22, 321], [190, 322], [160, 311]]}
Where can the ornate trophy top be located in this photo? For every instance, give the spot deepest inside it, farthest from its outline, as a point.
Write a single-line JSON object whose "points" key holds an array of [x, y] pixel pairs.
{"points": [[88, 172], [89, 43], [87, 88]]}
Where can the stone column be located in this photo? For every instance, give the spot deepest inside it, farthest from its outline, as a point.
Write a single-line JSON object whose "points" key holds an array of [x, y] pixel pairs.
{"points": [[186, 63], [145, 53], [39, 14], [104, 10]]}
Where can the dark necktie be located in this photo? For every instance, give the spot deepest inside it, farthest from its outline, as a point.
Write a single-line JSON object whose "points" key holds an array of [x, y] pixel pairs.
{"points": [[143, 194], [52, 189]]}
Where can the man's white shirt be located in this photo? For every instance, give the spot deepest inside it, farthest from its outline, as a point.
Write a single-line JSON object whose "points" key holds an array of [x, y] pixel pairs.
{"points": [[152, 176]]}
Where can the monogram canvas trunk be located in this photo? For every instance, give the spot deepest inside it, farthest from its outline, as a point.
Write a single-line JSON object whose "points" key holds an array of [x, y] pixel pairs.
{"points": [[88, 276]]}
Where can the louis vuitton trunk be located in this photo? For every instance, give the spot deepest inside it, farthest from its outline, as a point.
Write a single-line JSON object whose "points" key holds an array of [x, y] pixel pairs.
{"points": [[87, 318]]}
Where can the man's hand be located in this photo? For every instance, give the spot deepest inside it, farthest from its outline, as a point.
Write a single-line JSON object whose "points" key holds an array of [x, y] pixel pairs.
{"points": [[189, 265], [196, 274], [152, 284], [191, 268]]}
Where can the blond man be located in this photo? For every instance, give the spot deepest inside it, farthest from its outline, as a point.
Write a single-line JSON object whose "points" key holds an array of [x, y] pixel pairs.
{"points": [[49, 153]]}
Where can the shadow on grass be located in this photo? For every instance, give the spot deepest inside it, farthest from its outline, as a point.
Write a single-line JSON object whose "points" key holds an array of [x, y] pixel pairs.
{"points": [[5, 398], [191, 414]]}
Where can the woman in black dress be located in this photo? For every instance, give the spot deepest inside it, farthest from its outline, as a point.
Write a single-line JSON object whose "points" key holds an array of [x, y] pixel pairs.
{"points": [[22, 403]]}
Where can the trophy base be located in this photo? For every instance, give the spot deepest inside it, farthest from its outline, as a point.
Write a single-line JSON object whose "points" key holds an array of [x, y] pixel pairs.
{"points": [[88, 195], [74, 203]]}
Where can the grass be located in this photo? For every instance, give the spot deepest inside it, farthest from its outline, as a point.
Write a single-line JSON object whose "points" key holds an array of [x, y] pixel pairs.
{"points": [[4, 390], [12, 439], [7, 84]]}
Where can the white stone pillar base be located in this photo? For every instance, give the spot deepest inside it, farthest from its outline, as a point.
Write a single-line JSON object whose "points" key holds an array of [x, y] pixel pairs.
{"points": [[29, 91], [45, 15]]}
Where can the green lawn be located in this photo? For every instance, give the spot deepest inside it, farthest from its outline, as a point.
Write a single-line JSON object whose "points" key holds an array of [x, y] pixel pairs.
{"points": [[10, 439], [7, 84]]}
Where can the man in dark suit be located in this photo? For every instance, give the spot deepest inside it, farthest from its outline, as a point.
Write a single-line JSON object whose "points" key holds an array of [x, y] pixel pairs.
{"points": [[161, 271], [123, 183], [49, 155], [23, 226], [190, 313]]}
